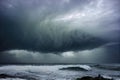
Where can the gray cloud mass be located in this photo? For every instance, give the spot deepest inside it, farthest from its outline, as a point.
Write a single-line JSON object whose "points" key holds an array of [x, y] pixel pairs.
{"points": [[105, 54], [31, 30]]}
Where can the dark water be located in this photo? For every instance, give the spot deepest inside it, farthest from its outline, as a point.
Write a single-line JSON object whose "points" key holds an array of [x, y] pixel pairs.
{"points": [[54, 72]]}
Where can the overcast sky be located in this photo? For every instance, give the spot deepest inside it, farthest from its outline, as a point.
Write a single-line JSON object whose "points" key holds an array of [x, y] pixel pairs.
{"points": [[59, 31]]}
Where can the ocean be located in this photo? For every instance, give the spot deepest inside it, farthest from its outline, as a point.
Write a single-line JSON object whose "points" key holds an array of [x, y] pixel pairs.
{"points": [[59, 71]]}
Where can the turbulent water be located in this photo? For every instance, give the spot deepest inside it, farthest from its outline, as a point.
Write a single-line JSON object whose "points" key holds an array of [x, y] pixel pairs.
{"points": [[54, 72]]}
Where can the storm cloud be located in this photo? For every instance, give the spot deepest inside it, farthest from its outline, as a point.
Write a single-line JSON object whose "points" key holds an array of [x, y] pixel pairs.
{"points": [[105, 54], [54, 27], [51, 26]]}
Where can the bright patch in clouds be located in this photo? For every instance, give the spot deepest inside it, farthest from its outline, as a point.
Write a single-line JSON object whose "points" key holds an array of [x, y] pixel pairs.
{"points": [[71, 16], [68, 54]]}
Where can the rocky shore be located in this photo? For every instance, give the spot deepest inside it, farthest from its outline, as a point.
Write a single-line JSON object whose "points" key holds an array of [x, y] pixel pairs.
{"points": [[99, 77], [3, 76]]}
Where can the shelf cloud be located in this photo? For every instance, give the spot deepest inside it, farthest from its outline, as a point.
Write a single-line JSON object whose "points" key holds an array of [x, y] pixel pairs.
{"points": [[55, 27]]}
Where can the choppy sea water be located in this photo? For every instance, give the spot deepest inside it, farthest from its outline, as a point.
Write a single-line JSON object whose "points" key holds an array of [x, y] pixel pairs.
{"points": [[53, 72]]}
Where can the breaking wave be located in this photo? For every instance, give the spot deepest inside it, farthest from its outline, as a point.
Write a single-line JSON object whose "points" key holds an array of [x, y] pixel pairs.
{"points": [[52, 72]]}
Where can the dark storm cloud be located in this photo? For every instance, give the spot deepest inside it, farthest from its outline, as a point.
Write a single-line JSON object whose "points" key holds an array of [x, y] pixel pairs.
{"points": [[112, 53], [105, 54], [20, 29], [12, 37], [7, 58], [57, 25]]}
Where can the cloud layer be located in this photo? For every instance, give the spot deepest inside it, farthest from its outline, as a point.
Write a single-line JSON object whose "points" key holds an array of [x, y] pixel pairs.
{"points": [[44, 31], [106, 54], [57, 26]]}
